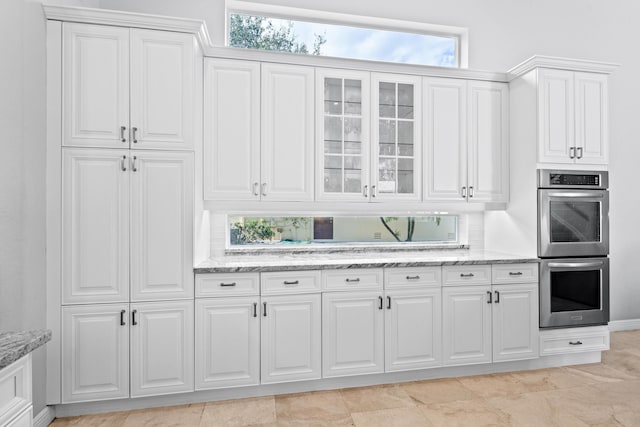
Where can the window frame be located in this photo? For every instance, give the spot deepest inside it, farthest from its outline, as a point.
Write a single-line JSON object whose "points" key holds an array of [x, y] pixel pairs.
{"points": [[461, 34]]}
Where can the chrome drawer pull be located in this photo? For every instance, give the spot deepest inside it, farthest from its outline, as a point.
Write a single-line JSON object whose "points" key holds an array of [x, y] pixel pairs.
{"points": [[228, 284], [466, 275], [575, 342], [293, 282], [357, 279], [413, 277], [519, 273]]}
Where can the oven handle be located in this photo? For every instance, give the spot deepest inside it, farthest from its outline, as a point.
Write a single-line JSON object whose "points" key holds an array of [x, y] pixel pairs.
{"points": [[578, 195], [575, 264]]}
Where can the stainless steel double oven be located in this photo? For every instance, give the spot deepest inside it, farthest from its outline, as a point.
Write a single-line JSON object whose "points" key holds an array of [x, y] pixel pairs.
{"points": [[573, 244]]}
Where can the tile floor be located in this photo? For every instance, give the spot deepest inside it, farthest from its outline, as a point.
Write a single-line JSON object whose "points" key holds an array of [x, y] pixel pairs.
{"points": [[604, 394]]}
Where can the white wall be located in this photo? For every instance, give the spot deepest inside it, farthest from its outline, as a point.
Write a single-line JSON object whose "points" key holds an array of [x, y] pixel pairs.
{"points": [[22, 176]]}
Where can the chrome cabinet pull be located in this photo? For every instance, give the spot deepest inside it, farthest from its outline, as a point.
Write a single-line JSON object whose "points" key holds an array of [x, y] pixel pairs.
{"points": [[133, 317], [293, 282], [572, 152], [348, 280], [471, 192], [365, 191], [490, 300], [264, 188], [388, 302], [255, 189], [413, 277], [122, 130], [255, 309], [466, 275], [264, 309], [133, 132], [374, 192], [464, 192], [518, 273], [497, 297], [133, 164], [381, 303], [579, 152], [228, 284], [123, 165], [575, 342], [122, 322]]}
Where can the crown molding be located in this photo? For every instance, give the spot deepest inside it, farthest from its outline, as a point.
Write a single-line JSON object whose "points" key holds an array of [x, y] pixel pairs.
{"points": [[539, 61], [129, 19]]}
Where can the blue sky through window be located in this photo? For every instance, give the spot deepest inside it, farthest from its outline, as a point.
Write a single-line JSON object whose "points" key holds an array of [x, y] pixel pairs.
{"points": [[375, 44]]}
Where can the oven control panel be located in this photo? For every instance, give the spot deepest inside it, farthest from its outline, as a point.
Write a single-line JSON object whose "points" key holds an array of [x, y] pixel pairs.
{"points": [[572, 179]]}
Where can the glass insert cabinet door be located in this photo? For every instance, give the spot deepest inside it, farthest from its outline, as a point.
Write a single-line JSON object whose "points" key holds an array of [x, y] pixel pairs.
{"points": [[343, 135], [396, 148]]}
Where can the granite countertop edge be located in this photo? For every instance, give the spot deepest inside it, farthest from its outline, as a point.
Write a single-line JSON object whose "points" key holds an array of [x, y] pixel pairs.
{"points": [[293, 262], [15, 345]]}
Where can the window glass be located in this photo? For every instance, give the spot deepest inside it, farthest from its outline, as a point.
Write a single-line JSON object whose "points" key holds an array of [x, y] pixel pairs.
{"points": [[312, 230]]}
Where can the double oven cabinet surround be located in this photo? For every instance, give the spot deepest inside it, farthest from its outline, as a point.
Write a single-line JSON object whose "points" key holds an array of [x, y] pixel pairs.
{"points": [[127, 87]]}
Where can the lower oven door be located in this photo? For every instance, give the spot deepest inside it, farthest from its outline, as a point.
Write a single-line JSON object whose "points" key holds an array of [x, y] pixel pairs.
{"points": [[574, 292]]}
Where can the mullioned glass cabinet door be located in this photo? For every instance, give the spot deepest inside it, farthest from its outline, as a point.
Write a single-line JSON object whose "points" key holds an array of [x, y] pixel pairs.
{"points": [[397, 153], [342, 141]]}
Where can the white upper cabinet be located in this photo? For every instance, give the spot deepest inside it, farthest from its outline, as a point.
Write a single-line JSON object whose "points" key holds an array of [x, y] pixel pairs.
{"points": [[572, 117], [127, 87], [161, 225], [287, 131], [466, 134], [232, 130]]}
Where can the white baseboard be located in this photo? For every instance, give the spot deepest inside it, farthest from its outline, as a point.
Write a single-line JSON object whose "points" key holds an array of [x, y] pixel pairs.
{"points": [[44, 417], [624, 325]]}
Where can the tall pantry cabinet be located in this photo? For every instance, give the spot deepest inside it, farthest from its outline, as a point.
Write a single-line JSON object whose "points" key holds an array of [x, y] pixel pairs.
{"points": [[126, 206]]}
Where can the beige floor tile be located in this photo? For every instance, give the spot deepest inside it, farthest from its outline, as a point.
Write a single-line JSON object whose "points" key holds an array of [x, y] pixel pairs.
{"points": [[475, 413], [600, 373], [364, 399], [438, 391], [111, 419], [172, 416], [625, 340], [241, 412], [397, 417], [534, 410], [550, 379], [311, 409], [627, 361], [495, 385]]}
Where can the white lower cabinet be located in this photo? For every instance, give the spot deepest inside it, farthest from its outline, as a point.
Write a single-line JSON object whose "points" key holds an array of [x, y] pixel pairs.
{"points": [[352, 333], [515, 322], [290, 338], [97, 351], [227, 342]]}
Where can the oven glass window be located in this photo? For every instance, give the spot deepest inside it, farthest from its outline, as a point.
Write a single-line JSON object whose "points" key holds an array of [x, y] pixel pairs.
{"points": [[575, 290], [575, 221]]}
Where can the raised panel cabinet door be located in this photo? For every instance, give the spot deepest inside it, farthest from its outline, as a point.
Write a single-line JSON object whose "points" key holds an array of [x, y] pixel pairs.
{"points": [[161, 225], [95, 225], [445, 136], [231, 130], [515, 322], [592, 118], [95, 85], [95, 352], [162, 347], [466, 325], [227, 342], [290, 338], [396, 172], [163, 85], [488, 142], [556, 120], [342, 135], [287, 130], [352, 333], [413, 329]]}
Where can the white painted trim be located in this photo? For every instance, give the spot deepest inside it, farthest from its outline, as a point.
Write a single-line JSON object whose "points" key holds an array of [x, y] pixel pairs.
{"points": [[45, 417], [540, 61], [128, 19], [323, 384], [624, 325], [322, 16]]}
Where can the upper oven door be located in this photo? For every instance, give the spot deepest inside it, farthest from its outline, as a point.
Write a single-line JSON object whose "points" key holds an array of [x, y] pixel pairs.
{"points": [[573, 223]]}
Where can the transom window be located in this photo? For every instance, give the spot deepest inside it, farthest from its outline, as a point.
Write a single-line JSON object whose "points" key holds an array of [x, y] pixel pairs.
{"points": [[268, 27]]}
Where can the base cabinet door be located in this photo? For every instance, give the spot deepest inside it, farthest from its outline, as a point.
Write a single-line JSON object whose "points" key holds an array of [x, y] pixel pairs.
{"points": [[352, 333], [95, 352], [162, 345], [466, 324], [227, 342], [290, 338], [413, 329], [515, 322]]}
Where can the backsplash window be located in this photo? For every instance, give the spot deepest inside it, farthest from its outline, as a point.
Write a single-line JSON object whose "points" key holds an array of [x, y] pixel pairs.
{"points": [[312, 230]]}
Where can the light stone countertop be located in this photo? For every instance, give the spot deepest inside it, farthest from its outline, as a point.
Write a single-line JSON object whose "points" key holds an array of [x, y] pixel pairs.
{"points": [[14, 345], [343, 260]]}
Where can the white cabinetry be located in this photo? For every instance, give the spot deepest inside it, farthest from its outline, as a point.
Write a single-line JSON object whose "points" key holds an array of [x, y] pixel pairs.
{"points": [[258, 131], [572, 117], [466, 126], [127, 87]]}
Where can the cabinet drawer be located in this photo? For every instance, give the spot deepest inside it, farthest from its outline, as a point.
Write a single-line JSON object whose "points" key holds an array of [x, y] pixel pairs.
{"points": [[352, 279], [290, 282], [574, 340], [418, 277], [15, 389], [227, 284], [454, 275], [514, 273]]}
